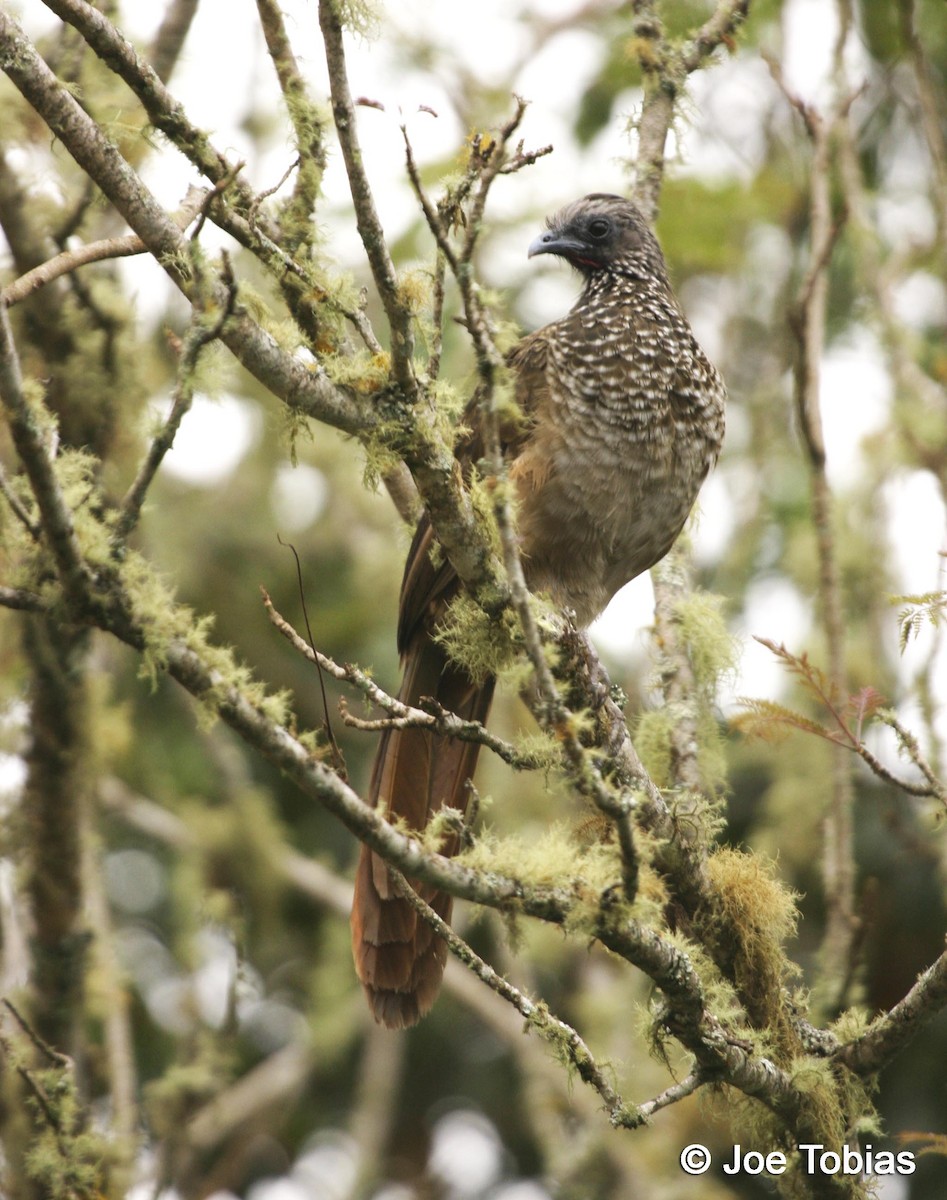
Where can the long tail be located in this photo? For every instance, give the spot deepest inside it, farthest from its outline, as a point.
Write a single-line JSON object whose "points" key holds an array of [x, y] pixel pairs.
{"points": [[399, 958]]}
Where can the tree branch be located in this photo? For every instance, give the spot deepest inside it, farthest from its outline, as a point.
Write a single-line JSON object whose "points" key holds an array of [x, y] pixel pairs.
{"points": [[366, 215], [303, 388], [892, 1031]]}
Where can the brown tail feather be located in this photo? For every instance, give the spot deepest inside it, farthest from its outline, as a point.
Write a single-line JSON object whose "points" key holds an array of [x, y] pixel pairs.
{"points": [[398, 957]]}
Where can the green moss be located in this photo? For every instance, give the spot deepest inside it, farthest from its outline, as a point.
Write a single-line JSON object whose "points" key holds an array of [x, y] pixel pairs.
{"points": [[65, 1156], [653, 734], [712, 650], [162, 621], [481, 644], [550, 860], [753, 915]]}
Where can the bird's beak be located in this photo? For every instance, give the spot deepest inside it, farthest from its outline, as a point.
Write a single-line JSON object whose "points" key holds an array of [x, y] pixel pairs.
{"points": [[555, 242]]}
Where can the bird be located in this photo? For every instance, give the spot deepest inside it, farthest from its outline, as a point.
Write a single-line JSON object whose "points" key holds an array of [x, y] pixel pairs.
{"points": [[623, 418]]}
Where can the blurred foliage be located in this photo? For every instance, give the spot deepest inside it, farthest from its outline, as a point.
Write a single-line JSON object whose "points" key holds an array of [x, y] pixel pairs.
{"points": [[231, 960]]}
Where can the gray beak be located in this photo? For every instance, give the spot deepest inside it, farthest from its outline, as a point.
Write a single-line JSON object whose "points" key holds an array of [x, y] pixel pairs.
{"points": [[554, 242]]}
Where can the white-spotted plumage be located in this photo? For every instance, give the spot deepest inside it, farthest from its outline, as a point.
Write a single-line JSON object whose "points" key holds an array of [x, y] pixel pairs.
{"points": [[626, 414]]}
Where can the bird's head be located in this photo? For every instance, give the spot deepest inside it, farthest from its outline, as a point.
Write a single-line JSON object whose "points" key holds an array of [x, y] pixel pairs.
{"points": [[602, 232]]}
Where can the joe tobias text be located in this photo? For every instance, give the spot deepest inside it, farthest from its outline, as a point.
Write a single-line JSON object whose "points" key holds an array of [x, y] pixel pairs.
{"points": [[849, 1160]]}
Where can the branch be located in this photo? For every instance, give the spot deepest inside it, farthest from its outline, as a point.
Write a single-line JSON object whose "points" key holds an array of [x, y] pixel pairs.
{"points": [[164, 112], [485, 164], [932, 121], [719, 29], [22, 600], [307, 127], [909, 745], [807, 322], [29, 437], [276, 1081], [298, 384], [70, 260], [557, 1033], [201, 332], [108, 248], [403, 716], [301, 385], [366, 215], [890, 1033], [171, 36]]}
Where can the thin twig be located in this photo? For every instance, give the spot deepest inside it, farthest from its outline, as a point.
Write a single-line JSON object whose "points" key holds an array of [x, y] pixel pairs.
{"points": [[538, 1017], [171, 36], [307, 127], [199, 335], [50, 1053], [366, 214], [69, 261], [28, 437], [545, 699], [673, 1094], [718, 30], [306, 389], [402, 716], [22, 600], [909, 744], [807, 323], [16, 504], [932, 117]]}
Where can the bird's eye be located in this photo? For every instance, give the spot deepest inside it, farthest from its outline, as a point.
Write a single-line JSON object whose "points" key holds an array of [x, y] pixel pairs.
{"points": [[599, 228]]}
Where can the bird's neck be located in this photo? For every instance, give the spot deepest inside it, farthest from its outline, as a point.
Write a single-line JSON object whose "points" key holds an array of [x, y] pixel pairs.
{"points": [[628, 280]]}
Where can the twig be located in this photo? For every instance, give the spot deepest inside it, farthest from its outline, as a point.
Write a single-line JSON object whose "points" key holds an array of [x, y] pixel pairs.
{"points": [[116, 1019], [55, 515], [402, 716], [545, 701], [22, 600], [171, 36], [307, 127], [200, 334], [891, 1032], [16, 504], [662, 82], [50, 1053], [932, 120], [672, 1095], [728, 16], [665, 67], [71, 261], [538, 1017], [808, 325], [366, 215], [307, 390], [909, 744]]}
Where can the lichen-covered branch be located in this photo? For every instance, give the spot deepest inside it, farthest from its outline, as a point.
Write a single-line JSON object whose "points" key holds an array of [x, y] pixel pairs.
{"points": [[295, 382], [401, 715], [366, 214], [889, 1033], [537, 1015]]}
